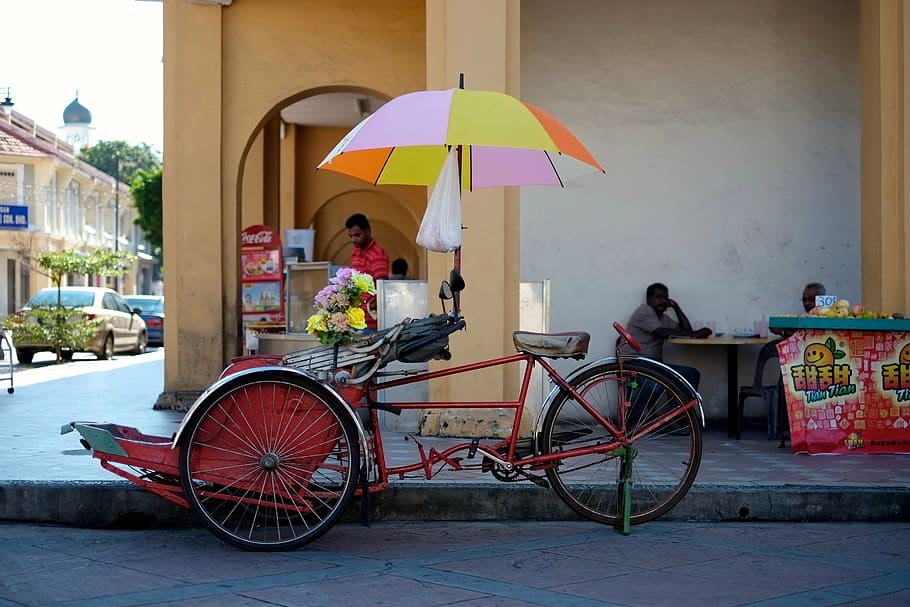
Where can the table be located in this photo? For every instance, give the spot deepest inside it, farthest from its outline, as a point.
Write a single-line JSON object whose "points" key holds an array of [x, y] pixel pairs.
{"points": [[730, 344]]}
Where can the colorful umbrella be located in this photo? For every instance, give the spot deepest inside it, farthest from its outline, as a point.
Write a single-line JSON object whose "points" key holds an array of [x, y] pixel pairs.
{"points": [[503, 142]]}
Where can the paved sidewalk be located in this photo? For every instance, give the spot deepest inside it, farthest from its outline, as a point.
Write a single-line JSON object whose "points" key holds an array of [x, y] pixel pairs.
{"points": [[50, 478], [557, 564]]}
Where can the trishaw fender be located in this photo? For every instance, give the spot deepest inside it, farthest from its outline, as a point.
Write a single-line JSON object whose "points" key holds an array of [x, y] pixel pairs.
{"points": [[682, 384], [245, 375]]}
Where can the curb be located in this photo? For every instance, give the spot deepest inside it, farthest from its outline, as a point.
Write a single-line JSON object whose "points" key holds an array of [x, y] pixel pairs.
{"points": [[120, 504]]}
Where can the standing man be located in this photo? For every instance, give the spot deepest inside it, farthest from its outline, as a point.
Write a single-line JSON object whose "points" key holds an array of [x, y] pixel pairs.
{"points": [[368, 257], [651, 326]]}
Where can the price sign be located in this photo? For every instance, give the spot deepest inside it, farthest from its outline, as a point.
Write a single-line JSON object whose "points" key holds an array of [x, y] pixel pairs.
{"points": [[825, 301]]}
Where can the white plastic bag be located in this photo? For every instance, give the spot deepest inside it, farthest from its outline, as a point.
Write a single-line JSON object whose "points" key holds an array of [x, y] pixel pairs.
{"points": [[440, 229]]}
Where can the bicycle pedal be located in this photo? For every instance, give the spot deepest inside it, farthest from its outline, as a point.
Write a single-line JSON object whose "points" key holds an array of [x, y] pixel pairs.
{"points": [[539, 481]]}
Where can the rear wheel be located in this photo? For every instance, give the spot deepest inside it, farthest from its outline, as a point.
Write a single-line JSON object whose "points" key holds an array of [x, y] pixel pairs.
{"points": [[141, 343], [25, 356], [107, 348], [663, 461], [270, 463]]}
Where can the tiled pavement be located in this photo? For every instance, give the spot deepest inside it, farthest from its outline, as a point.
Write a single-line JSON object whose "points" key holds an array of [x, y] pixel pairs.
{"points": [[751, 478], [497, 562]]}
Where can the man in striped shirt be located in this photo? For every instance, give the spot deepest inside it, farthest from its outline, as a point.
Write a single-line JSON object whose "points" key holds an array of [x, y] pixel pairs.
{"points": [[368, 257]]}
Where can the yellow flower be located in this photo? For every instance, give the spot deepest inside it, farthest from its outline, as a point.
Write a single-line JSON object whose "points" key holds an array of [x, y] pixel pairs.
{"points": [[356, 318], [364, 283], [315, 323]]}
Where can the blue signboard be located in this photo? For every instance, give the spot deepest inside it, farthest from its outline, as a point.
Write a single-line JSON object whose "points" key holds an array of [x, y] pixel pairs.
{"points": [[13, 217]]}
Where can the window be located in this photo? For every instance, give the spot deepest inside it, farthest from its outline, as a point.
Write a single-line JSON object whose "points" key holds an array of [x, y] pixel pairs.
{"points": [[11, 184]]}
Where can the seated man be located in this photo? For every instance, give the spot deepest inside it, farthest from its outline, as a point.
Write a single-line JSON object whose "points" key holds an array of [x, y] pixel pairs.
{"points": [[812, 289], [651, 326], [809, 292]]}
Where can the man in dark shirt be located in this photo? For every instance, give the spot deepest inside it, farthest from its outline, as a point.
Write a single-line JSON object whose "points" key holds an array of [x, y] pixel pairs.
{"points": [[368, 257], [651, 326]]}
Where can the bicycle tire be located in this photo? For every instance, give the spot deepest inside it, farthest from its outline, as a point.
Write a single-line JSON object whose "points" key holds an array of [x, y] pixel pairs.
{"points": [[270, 463], [667, 458]]}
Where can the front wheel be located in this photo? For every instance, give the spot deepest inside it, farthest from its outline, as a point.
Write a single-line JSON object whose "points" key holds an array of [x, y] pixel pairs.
{"points": [[270, 462], [657, 468]]}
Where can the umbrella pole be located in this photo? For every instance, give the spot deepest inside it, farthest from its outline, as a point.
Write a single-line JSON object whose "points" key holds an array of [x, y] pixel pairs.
{"points": [[456, 299], [458, 250]]}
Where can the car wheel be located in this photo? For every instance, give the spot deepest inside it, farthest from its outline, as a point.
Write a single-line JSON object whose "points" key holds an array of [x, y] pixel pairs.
{"points": [[107, 350], [25, 356], [141, 343], [67, 355]]}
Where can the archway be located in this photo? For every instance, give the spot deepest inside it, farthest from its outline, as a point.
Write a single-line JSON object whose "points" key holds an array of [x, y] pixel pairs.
{"points": [[393, 225]]}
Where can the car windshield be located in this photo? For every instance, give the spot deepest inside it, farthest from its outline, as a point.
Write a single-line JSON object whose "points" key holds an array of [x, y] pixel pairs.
{"points": [[148, 306], [75, 299]]}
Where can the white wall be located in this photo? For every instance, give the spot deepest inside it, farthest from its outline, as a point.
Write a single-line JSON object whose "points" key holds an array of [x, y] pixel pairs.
{"points": [[730, 135]]}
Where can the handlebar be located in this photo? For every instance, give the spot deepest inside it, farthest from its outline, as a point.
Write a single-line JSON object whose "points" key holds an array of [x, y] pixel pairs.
{"points": [[625, 336]]}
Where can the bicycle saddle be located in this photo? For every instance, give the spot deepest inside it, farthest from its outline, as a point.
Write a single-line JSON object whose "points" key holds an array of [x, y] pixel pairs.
{"points": [[552, 345]]}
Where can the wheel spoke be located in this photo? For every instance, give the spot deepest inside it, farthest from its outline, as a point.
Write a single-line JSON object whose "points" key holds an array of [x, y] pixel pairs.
{"points": [[270, 464], [666, 456]]}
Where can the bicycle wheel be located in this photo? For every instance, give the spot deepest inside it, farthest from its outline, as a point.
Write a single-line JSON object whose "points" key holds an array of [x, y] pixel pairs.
{"points": [[271, 462], [664, 462]]}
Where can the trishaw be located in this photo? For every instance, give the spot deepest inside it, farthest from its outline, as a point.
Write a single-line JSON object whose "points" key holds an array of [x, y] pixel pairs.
{"points": [[271, 454]]}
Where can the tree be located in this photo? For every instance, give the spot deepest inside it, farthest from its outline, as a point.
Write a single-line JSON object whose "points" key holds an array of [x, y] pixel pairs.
{"points": [[140, 166], [64, 326], [146, 191], [105, 155]]}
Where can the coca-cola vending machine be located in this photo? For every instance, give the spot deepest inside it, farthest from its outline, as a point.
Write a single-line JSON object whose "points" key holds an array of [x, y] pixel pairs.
{"points": [[262, 272]]}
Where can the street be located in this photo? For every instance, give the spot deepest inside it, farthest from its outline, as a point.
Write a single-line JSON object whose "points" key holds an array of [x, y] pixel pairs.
{"points": [[559, 564], [47, 396]]}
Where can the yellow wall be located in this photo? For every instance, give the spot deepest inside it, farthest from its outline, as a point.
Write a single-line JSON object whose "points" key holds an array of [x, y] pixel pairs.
{"points": [[885, 133], [229, 70]]}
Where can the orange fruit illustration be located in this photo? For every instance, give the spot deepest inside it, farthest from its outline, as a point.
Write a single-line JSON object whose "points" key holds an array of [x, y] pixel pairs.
{"points": [[818, 355], [904, 358]]}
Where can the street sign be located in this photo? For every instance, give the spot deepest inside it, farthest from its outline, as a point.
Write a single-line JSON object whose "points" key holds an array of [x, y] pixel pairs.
{"points": [[13, 217]]}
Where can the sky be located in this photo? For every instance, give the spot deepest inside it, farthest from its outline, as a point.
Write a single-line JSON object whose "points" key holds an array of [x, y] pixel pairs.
{"points": [[110, 51]]}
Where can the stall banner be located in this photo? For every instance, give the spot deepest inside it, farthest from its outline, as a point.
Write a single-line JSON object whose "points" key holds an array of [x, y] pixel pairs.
{"points": [[847, 391], [262, 282]]}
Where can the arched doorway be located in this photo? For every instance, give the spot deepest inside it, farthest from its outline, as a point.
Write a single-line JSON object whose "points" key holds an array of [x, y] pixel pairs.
{"points": [[278, 186]]}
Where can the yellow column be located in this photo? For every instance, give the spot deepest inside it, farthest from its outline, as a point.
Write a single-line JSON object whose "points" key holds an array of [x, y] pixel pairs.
{"points": [[192, 145], [271, 174], [479, 38], [885, 220], [286, 180], [252, 205]]}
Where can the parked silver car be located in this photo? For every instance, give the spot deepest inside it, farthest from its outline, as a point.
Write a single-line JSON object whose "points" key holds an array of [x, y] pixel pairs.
{"points": [[121, 329]]}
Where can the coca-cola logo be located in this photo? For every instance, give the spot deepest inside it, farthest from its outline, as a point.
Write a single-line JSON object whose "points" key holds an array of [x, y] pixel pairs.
{"points": [[257, 236]]}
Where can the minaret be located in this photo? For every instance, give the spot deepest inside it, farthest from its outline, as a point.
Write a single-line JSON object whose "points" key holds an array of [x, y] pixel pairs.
{"points": [[76, 121]]}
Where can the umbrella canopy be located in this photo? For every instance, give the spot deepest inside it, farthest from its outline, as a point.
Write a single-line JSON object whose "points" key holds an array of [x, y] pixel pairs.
{"points": [[503, 142]]}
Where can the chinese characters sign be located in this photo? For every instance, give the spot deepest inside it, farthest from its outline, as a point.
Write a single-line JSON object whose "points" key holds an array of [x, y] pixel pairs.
{"points": [[13, 217], [847, 390]]}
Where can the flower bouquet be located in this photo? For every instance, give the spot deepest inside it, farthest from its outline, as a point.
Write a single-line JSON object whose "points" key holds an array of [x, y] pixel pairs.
{"points": [[338, 314]]}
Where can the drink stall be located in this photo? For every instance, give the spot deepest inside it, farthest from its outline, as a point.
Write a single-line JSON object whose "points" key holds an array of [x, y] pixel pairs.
{"points": [[262, 272], [846, 383]]}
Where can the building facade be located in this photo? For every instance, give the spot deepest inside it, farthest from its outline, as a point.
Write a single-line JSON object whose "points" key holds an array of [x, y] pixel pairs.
{"points": [[53, 202], [750, 147]]}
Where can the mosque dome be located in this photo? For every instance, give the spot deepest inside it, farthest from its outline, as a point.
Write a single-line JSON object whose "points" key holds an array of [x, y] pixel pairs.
{"points": [[76, 113]]}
